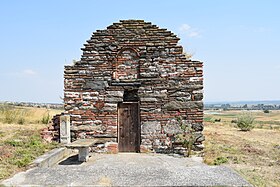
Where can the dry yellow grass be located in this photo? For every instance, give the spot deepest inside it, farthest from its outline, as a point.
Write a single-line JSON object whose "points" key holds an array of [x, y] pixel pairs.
{"points": [[21, 143], [254, 154]]}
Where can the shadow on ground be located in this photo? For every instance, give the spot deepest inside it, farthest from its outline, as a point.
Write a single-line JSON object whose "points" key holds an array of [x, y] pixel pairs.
{"points": [[72, 160]]}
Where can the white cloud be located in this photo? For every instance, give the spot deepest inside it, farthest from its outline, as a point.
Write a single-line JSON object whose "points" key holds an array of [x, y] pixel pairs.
{"points": [[262, 30], [184, 27], [29, 72], [193, 34], [189, 31]]}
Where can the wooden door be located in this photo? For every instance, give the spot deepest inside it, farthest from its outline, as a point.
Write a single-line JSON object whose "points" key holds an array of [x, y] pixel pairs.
{"points": [[129, 128]]}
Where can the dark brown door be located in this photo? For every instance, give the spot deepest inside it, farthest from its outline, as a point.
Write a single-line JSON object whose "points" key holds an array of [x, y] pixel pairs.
{"points": [[129, 130]]}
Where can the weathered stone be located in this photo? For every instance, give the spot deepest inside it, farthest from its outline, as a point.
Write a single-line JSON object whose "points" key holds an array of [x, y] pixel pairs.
{"points": [[113, 99], [183, 99], [198, 147], [95, 84], [150, 74], [86, 128], [114, 93], [199, 137], [144, 99], [180, 94], [197, 126], [172, 127], [97, 122], [65, 129], [108, 107], [150, 127], [198, 96], [176, 105]]}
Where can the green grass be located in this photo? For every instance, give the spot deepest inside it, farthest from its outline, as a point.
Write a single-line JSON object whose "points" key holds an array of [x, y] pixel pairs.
{"points": [[220, 160], [20, 150], [27, 148], [268, 122], [207, 119], [46, 118]]}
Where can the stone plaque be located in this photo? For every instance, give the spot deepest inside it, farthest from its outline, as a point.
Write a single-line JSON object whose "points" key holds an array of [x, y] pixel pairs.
{"points": [[65, 129]]}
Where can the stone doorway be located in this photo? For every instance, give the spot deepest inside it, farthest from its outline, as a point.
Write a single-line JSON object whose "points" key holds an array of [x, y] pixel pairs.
{"points": [[128, 127]]}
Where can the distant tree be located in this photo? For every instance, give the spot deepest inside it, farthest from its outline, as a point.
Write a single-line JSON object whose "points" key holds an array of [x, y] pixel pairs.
{"points": [[266, 111], [245, 106]]}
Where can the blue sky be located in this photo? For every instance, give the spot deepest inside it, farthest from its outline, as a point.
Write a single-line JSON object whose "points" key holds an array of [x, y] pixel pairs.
{"points": [[238, 41]]}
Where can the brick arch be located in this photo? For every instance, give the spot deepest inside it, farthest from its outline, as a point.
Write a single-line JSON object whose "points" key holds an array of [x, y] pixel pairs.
{"points": [[126, 65]]}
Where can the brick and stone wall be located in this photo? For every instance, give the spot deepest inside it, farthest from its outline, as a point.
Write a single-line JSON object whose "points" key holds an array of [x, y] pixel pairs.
{"points": [[134, 59]]}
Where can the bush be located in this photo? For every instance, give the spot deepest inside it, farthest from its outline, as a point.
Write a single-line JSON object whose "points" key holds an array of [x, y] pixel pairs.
{"points": [[187, 137], [21, 120], [220, 160], [266, 111], [46, 118], [245, 122]]}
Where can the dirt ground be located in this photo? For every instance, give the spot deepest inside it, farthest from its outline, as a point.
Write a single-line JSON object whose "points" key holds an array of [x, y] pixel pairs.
{"points": [[254, 154]]}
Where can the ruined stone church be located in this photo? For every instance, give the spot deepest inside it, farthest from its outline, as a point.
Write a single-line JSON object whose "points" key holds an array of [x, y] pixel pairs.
{"points": [[130, 86]]}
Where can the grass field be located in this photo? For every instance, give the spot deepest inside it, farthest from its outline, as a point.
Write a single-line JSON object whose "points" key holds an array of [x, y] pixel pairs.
{"points": [[254, 154], [20, 141]]}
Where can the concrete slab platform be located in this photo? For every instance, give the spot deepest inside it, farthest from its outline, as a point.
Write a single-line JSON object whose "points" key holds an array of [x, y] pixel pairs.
{"points": [[129, 170]]}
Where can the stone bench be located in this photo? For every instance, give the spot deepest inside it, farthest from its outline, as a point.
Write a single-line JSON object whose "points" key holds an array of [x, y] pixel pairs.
{"points": [[83, 146]]}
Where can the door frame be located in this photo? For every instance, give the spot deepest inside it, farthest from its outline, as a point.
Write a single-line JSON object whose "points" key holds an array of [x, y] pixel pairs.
{"points": [[138, 125]]}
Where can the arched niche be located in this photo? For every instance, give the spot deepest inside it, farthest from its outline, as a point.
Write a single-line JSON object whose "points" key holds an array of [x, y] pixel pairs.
{"points": [[126, 65]]}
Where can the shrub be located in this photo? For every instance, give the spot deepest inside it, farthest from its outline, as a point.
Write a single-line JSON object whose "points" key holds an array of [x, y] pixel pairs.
{"points": [[218, 120], [266, 111], [187, 137], [220, 160], [21, 120], [46, 118], [245, 122]]}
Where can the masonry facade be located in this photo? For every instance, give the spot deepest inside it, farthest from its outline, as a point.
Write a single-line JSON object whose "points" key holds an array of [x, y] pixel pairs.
{"points": [[130, 85]]}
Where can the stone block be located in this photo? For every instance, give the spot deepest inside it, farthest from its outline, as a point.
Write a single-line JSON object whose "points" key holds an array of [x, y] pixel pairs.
{"points": [[183, 99], [83, 154], [150, 127], [65, 129], [177, 105], [149, 99], [112, 147], [172, 127], [115, 93], [95, 84], [197, 126]]}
